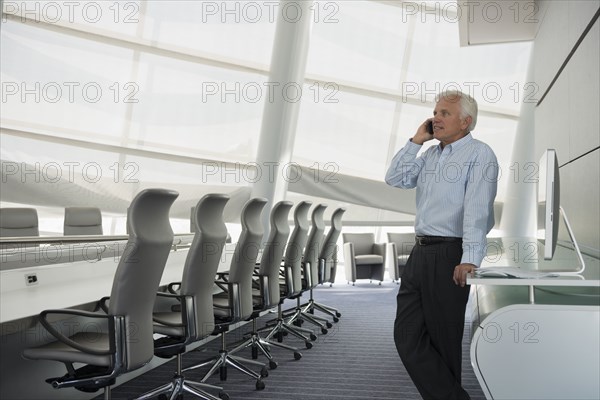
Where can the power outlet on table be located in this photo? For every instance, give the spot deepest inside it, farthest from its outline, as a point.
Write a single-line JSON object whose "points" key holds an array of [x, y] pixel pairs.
{"points": [[31, 279]]}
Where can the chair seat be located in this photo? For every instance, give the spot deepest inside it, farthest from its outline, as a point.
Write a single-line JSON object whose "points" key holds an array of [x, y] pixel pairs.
{"points": [[402, 260], [221, 304], [367, 259], [165, 322], [60, 351]]}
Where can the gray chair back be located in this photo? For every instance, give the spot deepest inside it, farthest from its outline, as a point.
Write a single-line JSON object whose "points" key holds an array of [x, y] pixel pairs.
{"points": [[314, 244], [18, 222], [140, 269], [272, 254], [246, 252], [330, 243], [296, 244], [203, 259], [82, 221], [363, 242], [404, 242]]}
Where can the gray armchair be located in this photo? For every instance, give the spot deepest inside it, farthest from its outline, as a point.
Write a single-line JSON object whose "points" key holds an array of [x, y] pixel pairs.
{"points": [[119, 348], [399, 247], [363, 258], [18, 222], [82, 221]]}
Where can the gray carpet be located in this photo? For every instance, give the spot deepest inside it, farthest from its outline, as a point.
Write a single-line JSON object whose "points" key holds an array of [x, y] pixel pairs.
{"points": [[357, 359]]}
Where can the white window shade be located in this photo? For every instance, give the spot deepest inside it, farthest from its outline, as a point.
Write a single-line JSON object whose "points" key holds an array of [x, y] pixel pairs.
{"points": [[493, 74], [63, 83], [194, 109], [358, 41], [236, 30], [350, 136]]}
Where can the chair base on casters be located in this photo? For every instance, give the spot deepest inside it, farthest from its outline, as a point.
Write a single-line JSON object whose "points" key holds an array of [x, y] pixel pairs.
{"points": [[256, 343], [311, 305], [224, 359], [179, 385], [282, 327], [303, 313]]}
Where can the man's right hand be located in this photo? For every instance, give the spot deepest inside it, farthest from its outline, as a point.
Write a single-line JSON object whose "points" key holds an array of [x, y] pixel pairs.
{"points": [[422, 135]]}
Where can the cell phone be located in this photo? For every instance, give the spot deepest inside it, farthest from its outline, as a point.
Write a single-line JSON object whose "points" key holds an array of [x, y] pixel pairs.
{"points": [[430, 127]]}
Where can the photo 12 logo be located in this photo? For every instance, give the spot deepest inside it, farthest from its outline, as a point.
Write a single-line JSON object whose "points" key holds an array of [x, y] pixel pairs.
{"points": [[254, 92], [269, 11], [69, 171], [71, 92], [90, 12]]}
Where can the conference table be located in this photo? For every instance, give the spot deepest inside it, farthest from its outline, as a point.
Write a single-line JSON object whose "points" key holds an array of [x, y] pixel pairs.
{"points": [[56, 273]]}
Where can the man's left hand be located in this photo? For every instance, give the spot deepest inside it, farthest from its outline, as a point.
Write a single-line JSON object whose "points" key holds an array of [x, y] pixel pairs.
{"points": [[460, 273]]}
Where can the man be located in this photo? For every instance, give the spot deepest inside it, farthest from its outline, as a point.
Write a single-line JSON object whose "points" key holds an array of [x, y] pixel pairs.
{"points": [[456, 185]]}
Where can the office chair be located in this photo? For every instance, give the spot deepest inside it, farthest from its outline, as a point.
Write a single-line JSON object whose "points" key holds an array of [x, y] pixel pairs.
{"points": [[18, 222], [82, 221], [193, 317], [120, 348], [291, 284], [235, 303], [193, 225], [400, 246], [327, 263], [266, 291], [363, 258], [310, 269], [329, 253]]}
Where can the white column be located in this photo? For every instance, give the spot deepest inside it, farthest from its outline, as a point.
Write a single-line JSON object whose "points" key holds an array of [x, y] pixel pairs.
{"points": [[520, 208], [280, 115]]}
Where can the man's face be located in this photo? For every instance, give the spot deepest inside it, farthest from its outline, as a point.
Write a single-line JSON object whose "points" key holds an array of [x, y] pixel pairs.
{"points": [[448, 126]]}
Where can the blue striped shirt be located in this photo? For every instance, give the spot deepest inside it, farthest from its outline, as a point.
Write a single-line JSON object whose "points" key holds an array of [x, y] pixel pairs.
{"points": [[456, 187]]}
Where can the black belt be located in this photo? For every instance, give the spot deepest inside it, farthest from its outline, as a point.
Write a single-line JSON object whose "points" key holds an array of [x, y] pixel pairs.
{"points": [[427, 240]]}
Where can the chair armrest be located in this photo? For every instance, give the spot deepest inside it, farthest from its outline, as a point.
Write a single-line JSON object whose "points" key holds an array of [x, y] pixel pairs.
{"points": [[379, 249], [391, 260], [186, 310], [235, 303], [349, 262], [285, 271], [263, 286], [80, 313], [174, 287], [102, 304]]}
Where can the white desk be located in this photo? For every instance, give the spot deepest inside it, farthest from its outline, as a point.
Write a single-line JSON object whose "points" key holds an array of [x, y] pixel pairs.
{"points": [[537, 338]]}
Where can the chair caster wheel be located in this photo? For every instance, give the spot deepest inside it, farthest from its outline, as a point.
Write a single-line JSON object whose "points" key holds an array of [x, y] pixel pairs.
{"points": [[223, 373], [336, 319], [297, 355], [297, 322], [338, 314], [260, 385], [279, 336], [162, 397], [223, 396], [324, 331], [309, 345], [254, 352], [329, 324], [313, 337], [272, 364], [264, 372]]}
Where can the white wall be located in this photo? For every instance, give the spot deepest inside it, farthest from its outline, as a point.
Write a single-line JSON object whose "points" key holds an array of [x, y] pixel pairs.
{"points": [[568, 117]]}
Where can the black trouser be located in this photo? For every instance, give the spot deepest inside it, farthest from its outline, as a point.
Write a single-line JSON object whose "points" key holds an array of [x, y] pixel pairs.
{"points": [[430, 321]]}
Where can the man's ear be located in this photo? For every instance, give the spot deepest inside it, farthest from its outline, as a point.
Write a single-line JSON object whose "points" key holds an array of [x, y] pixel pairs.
{"points": [[466, 122]]}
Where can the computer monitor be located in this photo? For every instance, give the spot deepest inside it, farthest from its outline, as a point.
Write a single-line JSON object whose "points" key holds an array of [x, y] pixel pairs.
{"points": [[548, 202]]}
